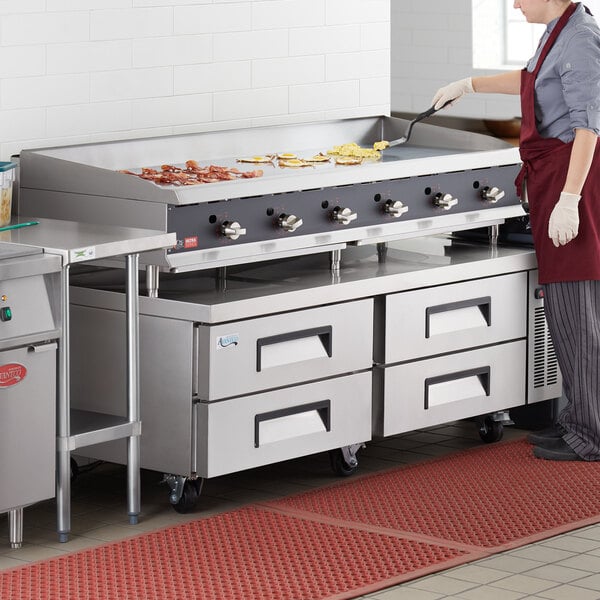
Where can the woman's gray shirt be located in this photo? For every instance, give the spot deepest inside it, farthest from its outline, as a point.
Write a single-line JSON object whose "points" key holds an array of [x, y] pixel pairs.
{"points": [[567, 88]]}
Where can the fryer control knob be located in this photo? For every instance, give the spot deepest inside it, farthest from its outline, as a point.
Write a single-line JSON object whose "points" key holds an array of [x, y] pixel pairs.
{"points": [[395, 208], [492, 194], [232, 230], [445, 201], [344, 215], [289, 222]]}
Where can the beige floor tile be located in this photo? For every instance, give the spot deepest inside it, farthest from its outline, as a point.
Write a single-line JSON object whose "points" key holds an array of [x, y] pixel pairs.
{"points": [[591, 583], [557, 573], [584, 562], [572, 543], [510, 563], [569, 592], [590, 533], [30, 552], [441, 584], [524, 583], [403, 593], [476, 573], [542, 553], [7, 562], [490, 593]]}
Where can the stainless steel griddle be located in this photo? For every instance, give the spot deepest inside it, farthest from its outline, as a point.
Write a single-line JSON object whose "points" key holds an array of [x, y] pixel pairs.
{"points": [[443, 180]]}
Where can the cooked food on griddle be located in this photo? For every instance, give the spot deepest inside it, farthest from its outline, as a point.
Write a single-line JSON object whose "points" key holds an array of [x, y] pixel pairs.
{"points": [[382, 145], [192, 174], [267, 158], [317, 158], [294, 163], [348, 160], [354, 150]]}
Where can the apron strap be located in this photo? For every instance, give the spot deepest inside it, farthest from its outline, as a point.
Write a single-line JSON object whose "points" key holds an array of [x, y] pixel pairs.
{"points": [[553, 35]]}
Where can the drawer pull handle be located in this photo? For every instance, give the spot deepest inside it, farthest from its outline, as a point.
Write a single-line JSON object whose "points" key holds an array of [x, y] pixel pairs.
{"points": [[460, 385], [292, 422], [456, 316], [294, 346]]}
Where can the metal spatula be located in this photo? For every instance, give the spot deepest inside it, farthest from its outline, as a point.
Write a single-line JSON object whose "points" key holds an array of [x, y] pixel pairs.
{"points": [[420, 117]]}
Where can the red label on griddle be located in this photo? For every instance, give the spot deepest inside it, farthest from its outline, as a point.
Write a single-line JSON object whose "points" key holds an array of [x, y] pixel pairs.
{"points": [[190, 242], [11, 374]]}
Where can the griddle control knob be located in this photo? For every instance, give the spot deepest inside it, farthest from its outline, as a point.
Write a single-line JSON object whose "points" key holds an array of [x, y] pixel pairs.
{"points": [[492, 194], [395, 208], [344, 215], [232, 229], [445, 201], [289, 222]]}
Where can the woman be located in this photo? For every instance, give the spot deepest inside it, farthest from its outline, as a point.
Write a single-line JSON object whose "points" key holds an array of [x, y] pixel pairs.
{"points": [[560, 104]]}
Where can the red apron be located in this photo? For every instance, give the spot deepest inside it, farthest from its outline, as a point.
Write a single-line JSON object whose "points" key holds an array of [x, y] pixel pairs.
{"points": [[545, 164]]}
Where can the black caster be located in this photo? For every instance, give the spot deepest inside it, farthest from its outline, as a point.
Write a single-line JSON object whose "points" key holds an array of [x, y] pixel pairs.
{"points": [[490, 431], [189, 497], [339, 464]]}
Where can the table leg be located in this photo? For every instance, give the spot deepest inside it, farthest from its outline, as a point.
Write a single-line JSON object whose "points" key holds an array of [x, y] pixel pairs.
{"points": [[133, 392], [63, 425]]}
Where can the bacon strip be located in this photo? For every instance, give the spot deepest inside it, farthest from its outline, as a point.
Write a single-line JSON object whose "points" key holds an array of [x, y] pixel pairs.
{"points": [[193, 174]]}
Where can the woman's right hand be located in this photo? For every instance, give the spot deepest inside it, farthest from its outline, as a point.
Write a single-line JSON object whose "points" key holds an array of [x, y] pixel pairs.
{"points": [[452, 92]]}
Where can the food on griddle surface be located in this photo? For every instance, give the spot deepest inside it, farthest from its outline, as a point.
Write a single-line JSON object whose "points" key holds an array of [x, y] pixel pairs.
{"points": [[348, 160], [318, 158], [286, 156], [267, 158], [382, 145], [192, 174], [295, 163], [354, 150]]}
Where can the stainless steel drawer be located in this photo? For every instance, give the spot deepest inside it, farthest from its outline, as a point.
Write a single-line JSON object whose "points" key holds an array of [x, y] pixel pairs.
{"points": [[453, 317], [446, 388], [268, 352], [248, 432]]}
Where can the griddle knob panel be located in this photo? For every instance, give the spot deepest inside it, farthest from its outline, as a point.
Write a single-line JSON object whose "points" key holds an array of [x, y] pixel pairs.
{"points": [[344, 215], [395, 208], [445, 201], [232, 230], [289, 222], [492, 194]]}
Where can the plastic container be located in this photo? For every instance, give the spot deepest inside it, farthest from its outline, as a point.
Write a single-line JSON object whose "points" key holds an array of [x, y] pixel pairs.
{"points": [[7, 176]]}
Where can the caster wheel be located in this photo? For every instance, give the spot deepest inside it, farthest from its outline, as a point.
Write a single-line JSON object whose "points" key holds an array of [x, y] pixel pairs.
{"points": [[189, 498], [490, 431], [74, 469], [339, 465]]}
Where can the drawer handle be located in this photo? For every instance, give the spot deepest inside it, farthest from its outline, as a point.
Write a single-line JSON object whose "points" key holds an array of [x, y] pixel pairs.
{"points": [[476, 382], [472, 319], [323, 336], [285, 423]]}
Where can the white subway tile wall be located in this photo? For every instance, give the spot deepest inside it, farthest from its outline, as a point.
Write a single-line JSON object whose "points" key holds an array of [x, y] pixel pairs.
{"points": [[432, 45], [73, 71]]}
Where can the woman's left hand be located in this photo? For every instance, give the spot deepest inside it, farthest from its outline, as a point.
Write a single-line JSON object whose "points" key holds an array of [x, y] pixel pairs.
{"points": [[563, 225]]}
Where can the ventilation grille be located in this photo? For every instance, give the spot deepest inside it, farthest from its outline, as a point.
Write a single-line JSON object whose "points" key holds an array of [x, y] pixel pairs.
{"points": [[545, 366]]}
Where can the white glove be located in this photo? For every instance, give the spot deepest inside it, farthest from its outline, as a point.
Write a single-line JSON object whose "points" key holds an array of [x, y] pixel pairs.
{"points": [[563, 224], [453, 91]]}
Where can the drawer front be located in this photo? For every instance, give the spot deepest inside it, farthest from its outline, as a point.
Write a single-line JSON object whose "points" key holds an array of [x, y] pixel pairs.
{"points": [[27, 425], [455, 317], [269, 352], [266, 428], [447, 388]]}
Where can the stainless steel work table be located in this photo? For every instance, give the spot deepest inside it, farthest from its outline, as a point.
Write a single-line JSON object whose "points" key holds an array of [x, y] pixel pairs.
{"points": [[75, 243]]}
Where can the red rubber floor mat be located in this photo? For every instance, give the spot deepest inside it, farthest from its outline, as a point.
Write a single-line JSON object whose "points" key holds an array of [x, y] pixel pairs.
{"points": [[248, 554], [496, 496]]}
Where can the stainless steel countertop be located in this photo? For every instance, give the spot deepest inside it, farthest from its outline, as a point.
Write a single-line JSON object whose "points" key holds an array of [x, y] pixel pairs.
{"points": [[78, 242], [300, 282]]}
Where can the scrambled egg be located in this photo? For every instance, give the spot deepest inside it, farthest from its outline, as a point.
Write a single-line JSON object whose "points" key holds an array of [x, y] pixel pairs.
{"points": [[354, 150]]}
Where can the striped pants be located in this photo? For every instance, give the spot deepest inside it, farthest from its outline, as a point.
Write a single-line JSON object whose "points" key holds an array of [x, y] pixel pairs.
{"points": [[573, 314]]}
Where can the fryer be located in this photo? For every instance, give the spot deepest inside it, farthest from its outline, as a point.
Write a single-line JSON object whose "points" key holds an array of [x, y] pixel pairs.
{"points": [[30, 332], [306, 310]]}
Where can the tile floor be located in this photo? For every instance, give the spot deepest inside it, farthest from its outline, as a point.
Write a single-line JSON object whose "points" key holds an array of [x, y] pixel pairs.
{"points": [[565, 567]]}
